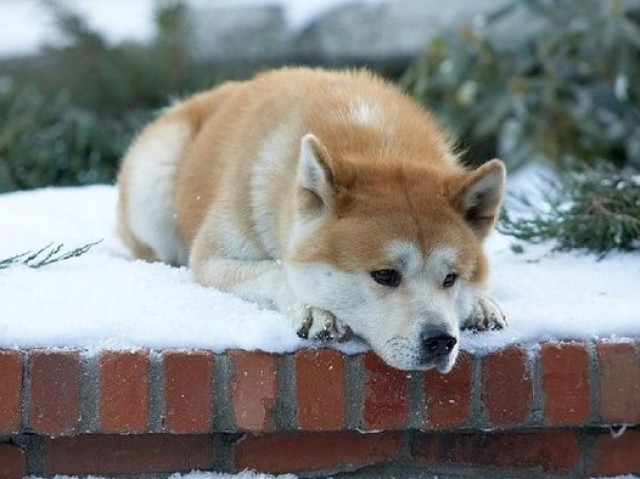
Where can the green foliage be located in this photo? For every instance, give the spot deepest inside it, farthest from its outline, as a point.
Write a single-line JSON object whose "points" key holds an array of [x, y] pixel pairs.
{"points": [[559, 84], [560, 87], [68, 118], [45, 256], [50, 141], [598, 211], [115, 78], [553, 81]]}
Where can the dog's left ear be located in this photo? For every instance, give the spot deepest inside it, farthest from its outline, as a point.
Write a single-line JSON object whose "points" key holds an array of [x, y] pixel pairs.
{"points": [[316, 190], [479, 195]]}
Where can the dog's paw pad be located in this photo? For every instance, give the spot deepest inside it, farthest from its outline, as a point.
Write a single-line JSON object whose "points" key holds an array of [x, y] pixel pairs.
{"points": [[486, 315]]}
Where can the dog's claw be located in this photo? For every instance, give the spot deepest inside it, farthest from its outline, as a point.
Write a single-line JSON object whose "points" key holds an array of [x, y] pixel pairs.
{"points": [[329, 331], [324, 336], [318, 324], [303, 333], [305, 326], [486, 315], [346, 334]]}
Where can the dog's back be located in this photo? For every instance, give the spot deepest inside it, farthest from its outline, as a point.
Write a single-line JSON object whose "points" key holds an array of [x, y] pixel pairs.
{"points": [[238, 145]]}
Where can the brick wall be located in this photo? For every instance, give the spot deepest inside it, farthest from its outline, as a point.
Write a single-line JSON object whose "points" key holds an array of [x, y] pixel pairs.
{"points": [[545, 410]]}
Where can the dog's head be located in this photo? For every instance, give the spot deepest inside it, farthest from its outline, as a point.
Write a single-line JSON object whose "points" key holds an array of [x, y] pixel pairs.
{"points": [[395, 252]]}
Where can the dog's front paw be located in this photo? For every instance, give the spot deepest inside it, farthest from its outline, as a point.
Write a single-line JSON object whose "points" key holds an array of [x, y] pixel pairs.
{"points": [[486, 315], [316, 323]]}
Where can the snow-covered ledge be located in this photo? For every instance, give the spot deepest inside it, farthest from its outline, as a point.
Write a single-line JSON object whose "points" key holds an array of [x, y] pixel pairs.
{"points": [[558, 408], [111, 366]]}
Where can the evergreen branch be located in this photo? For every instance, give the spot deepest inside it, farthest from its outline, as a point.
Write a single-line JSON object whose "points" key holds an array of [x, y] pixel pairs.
{"points": [[69, 254], [5, 263], [32, 256], [45, 256], [598, 211]]}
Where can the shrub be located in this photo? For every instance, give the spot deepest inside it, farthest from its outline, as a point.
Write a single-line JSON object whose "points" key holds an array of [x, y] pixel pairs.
{"points": [[598, 211], [561, 89], [68, 117], [50, 141], [558, 84]]}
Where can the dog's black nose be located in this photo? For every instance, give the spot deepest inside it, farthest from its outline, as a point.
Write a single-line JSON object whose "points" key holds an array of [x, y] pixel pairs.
{"points": [[439, 345]]}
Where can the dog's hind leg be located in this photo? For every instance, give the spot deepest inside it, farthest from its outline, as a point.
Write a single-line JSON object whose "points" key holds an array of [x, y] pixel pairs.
{"points": [[146, 219]]}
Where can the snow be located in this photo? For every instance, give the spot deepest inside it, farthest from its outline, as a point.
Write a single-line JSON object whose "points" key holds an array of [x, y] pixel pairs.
{"points": [[105, 299]]}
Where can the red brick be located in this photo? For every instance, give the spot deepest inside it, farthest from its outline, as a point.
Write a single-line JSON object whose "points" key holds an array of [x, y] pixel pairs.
{"points": [[448, 396], [13, 462], [548, 451], [54, 408], [122, 454], [11, 391], [565, 382], [254, 390], [617, 456], [507, 388], [320, 389], [188, 394], [386, 395], [303, 451], [619, 382], [124, 392]]}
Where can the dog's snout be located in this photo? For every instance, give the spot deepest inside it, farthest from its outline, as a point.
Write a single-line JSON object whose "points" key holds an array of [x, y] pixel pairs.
{"points": [[440, 345]]}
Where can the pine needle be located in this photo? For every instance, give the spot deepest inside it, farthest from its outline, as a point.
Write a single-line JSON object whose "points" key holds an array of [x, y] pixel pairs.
{"points": [[45, 256], [596, 210]]}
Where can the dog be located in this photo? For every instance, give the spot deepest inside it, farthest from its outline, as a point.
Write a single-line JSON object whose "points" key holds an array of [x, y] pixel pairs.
{"points": [[328, 195]]}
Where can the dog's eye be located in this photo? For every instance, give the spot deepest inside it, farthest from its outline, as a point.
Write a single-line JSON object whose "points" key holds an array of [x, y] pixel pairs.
{"points": [[449, 280], [387, 277]]}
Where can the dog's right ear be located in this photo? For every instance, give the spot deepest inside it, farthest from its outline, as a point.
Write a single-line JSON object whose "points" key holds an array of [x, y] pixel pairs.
{"points": [[479, 194], [316, 190]]}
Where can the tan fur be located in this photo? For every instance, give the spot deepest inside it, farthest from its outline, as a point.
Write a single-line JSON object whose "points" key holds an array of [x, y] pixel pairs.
{"points": [[235, 195], [222, 153], [420, 213]]}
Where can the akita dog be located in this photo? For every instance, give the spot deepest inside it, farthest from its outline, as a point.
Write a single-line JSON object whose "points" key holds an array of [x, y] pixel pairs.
{"points": [[330, 196]]}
